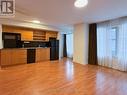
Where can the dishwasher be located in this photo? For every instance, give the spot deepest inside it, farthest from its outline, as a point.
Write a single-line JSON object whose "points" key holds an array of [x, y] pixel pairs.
{"points": [[31, 54]]}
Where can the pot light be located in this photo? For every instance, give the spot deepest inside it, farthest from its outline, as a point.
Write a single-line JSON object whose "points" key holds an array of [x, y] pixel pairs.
{"points": [[36, 21], [80, 3]]}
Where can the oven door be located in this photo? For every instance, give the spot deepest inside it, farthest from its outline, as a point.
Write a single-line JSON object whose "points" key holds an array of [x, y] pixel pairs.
{"points": [[11, 40], [9, 43]]}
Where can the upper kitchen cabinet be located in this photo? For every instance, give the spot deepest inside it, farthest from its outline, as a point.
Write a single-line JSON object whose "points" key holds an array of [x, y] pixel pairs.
{"points": [[39, 35], [29, 34], [52, 34], [26, 34]]}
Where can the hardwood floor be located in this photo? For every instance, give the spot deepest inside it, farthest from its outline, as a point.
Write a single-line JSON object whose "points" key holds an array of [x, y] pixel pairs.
{"points": [[61, 78]]}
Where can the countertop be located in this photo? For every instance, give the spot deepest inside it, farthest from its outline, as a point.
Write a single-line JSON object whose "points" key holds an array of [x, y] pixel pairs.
{"points": [[26, 48]]}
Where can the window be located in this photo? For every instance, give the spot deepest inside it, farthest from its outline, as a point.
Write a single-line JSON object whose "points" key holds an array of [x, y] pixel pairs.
{"points": [[112, 44], [114, 32], [69, 40]]}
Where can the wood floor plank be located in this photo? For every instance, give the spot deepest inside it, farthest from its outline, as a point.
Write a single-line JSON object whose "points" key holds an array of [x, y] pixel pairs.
{"points": [[62, 78]]}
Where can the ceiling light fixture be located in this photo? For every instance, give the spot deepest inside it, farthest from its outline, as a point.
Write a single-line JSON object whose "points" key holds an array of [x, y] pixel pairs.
{"points": [[80, 3], [36, 21]]}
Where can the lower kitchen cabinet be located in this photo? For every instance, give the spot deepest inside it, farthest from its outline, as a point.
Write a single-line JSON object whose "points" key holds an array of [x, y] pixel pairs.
{"points": [[13, 57], [17, 56], [42, 54]]}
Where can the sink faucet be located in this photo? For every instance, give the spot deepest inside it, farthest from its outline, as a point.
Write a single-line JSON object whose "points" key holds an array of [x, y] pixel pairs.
{"points": [[23, 45]]}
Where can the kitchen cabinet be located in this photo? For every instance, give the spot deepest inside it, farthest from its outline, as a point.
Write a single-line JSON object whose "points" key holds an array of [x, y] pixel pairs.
{"points": [[13, 57], [26, 34], [29, 34], [39, 35], [17, 56], [42, 54], [6, 57], [51, 34]]}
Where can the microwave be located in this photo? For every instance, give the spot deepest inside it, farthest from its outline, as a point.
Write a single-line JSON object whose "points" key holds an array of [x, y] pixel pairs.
{"points": [[11, 40]]}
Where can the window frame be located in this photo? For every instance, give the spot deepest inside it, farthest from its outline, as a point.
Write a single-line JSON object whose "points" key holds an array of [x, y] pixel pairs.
{"points": [[116, 41]]}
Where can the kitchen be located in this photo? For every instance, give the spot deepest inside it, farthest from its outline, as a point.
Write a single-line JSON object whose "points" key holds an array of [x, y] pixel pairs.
{"points": [[23, 45]]}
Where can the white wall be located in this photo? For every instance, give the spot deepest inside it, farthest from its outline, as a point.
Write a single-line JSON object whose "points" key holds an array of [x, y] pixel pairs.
{"points": [[1, 45], [81, 43]]}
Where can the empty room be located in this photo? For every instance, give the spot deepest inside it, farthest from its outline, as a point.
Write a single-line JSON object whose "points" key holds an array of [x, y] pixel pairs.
{"points": [[63, 47]]}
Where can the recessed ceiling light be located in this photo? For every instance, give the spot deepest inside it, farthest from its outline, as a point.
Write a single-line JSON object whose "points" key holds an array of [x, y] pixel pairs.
{"points": [[36, 21], [80, 3]]}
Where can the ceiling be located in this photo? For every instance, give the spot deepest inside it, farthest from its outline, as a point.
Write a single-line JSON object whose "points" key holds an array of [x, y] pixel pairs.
{"points": [[63, 12]]}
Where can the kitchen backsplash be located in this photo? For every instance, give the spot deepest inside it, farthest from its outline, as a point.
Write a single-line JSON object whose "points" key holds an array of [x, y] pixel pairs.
{"points": [[35, 44]]}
